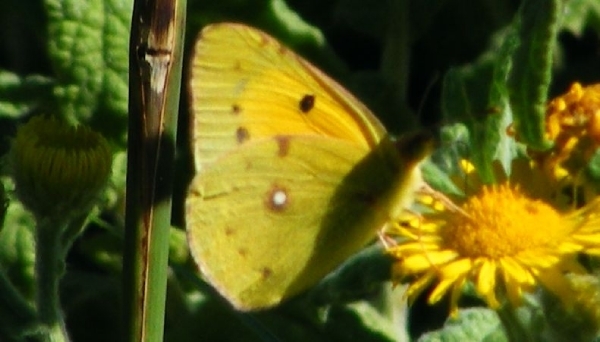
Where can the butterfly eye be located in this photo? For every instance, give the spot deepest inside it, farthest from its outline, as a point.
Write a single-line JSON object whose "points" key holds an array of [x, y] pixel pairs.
{"points": [[307, 103], [416, 146]]}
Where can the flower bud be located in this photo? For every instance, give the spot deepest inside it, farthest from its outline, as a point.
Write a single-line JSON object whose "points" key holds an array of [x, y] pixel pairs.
{"points": [[58, 169]]}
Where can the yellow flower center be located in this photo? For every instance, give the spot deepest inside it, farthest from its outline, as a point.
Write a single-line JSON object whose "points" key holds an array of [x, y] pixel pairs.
{"points": [[502, 221]]}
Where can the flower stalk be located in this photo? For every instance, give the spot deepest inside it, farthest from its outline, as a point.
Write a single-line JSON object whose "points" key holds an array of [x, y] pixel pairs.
{"points": [[59, 172], [50, 267]]}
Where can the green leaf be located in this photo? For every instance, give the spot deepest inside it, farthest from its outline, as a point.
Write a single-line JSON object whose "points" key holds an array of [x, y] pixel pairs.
{"points": [[507, 84], [529, 79], [359, 322], [593, 168], [477, 95], [439, 179], [17, 252], [470, 325], [454, 147], [88, 47], [21, 95], [581, 13], [358, 276]]}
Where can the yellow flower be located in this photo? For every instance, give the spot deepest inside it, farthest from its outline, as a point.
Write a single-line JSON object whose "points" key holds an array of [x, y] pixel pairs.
{"points": [[58, 169], [574, 114], [501, 239], [573, 125]]}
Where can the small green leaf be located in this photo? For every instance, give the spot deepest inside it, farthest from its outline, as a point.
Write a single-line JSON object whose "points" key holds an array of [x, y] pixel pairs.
{"points": [[359, 322], [21, 95], [454, 147], [17, 252], [355, 278], [470, 325], [593, 167], [439, 179], [580, 14]]}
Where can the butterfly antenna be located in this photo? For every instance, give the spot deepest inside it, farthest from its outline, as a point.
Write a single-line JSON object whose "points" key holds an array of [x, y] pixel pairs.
{"points": [[443, 199], [426, 94]]}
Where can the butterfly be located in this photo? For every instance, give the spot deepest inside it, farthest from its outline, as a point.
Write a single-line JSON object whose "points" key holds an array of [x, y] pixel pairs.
{"points": [[293, 174]]}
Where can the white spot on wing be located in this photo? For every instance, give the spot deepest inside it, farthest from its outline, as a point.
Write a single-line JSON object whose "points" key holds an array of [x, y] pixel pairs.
{"points": [[279, 198]]}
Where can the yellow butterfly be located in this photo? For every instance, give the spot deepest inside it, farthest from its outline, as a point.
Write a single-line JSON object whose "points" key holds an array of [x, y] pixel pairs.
{"points": [[293, 173]]}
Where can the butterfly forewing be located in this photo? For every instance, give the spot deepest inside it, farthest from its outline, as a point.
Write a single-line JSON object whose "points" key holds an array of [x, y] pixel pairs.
{"points": [[244, 85]]}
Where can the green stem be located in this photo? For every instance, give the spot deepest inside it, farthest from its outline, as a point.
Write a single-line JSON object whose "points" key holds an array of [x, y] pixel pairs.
{"points": [[50, 266], [515, 331], [17, 317], [72, 232], [396, 53]]}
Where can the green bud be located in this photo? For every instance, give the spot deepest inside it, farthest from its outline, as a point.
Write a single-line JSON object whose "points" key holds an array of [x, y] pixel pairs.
{"points": [[59, 170]]}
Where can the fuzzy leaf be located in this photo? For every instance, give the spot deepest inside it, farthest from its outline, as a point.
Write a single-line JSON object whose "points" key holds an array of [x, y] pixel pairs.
{"points": [[358, 276], [359, 322], [17, 249], [529, 80], [471, 325], [88, 47], [477, 94], [581, 13]]}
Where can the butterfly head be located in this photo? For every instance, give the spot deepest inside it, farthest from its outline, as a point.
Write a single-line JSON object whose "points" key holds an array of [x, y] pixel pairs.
{"points": [[412, 148]]}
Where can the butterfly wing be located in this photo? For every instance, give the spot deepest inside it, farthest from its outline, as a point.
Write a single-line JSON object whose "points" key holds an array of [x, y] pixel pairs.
{"points": [[274, 216], [244, 85], [291, 177]]}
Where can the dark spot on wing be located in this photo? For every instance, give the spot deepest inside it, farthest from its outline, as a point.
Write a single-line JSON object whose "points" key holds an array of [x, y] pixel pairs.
{"points": [[242, 252], [283, 50], [283, 143], [242, 134], [229, 231], [236, 109], [264, 39], [307, 103], [266, 272]]}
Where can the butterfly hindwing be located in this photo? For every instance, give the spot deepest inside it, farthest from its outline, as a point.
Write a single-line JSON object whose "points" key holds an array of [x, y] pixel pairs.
{"points": [[274, 215]]}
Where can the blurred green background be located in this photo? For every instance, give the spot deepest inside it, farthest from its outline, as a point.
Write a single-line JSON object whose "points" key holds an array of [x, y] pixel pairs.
{"points": [[70, 58]]}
